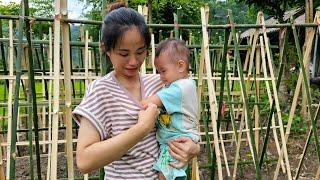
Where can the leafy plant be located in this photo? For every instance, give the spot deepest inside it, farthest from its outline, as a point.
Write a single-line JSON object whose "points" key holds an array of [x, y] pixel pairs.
{"points": [[298, 127]]}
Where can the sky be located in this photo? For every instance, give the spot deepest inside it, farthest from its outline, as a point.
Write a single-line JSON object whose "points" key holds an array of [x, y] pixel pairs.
{"points": [[74, 7]]}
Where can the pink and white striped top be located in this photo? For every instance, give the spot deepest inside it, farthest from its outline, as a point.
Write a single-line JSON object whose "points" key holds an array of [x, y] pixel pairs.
{"points": [[112, 110]]}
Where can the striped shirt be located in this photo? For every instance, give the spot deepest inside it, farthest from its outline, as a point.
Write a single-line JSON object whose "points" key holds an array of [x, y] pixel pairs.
{"points": [[112, 110]]}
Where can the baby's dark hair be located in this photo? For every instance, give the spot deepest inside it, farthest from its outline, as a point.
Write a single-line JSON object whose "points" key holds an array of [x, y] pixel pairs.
{"points": [[119, 19], [175, 49]]}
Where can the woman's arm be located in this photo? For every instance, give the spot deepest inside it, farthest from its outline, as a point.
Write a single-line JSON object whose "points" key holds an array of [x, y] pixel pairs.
{"points": [[183, 149], [92, 153]]}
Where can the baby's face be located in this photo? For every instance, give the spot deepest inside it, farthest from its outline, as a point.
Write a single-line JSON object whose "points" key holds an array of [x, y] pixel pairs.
{"points": [[168, 70]]}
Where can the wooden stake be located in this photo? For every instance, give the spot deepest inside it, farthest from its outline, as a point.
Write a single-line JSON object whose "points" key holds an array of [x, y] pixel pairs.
{"points": [[56, 95], [67, 84]]}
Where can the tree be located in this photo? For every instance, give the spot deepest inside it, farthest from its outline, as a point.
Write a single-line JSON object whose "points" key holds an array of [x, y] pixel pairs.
{"points": [[44, 8], [241, 12], [276, 8], [161, 11], [219, 12], [10, 9]]}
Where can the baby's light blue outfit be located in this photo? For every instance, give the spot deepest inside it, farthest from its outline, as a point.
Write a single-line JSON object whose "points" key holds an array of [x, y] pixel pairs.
{"points": [[181, 105]]}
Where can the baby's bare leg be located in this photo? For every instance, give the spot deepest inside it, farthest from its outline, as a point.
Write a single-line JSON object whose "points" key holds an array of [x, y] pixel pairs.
{"points": [[161, 176]]}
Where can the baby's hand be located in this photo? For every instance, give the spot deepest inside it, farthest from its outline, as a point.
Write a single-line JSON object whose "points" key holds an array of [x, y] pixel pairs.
{"points": [[147, 117]]}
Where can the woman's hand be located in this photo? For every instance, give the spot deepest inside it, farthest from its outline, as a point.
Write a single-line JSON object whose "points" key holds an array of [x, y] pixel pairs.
{"points": [[147, 117], [183, 149]]}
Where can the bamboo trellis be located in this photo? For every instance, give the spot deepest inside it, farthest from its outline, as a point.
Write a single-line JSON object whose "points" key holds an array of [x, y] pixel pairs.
{"points": [[231, 94]]}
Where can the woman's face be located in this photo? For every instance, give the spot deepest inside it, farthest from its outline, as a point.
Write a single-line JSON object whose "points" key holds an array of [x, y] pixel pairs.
{"points": [[129, 53]]}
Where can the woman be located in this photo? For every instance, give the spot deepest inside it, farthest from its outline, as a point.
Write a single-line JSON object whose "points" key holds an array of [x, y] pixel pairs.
{"points": [[116, 131]]}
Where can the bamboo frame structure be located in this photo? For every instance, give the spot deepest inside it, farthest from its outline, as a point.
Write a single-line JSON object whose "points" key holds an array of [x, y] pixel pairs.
{"points": [[229, 91]]}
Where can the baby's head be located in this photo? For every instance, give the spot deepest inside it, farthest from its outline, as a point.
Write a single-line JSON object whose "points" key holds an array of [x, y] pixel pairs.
{"points": [[172, 60]]}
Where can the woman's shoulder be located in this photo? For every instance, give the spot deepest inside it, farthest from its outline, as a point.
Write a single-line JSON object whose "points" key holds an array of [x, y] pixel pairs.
{"points": [[101, 83], [107, 79]]}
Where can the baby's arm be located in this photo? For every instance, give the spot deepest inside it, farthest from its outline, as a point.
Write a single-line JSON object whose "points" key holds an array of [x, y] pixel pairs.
{"points": [[153, 99]]}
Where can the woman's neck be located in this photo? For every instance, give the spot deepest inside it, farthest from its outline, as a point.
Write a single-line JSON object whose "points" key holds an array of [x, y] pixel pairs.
{"points": [[128, 82]]}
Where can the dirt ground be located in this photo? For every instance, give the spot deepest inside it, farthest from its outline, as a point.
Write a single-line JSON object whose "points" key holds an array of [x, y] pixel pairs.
{"points": [[295, 148]]}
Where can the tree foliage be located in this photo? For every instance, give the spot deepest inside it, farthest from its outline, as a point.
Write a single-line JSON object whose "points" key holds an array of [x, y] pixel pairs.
{"points": [[162, 12], [44, 8], [276, 8], [219, 13], [10, 9]]}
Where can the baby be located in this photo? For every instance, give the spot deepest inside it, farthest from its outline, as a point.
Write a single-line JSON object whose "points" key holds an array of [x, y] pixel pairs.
{"points": [[178, 101]]}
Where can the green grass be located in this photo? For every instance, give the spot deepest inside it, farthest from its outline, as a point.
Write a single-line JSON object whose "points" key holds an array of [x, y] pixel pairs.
{"points": [[38, 87]]}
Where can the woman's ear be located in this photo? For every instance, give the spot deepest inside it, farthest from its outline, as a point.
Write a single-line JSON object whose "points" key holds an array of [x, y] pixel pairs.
{"points": [[108, 53]]}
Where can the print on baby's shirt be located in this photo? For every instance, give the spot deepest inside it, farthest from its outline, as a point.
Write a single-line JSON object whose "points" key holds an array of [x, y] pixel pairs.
{"points": [[164, 121]]}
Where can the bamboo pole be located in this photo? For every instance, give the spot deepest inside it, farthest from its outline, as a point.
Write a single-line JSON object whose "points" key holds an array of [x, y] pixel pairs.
{"points": [[13, 133], [303, 63], [153, 54], [251, 54], [89, 62], [33, 97], [10, 96], [86, 59], [6, 85], [67, 83], [213, 101], [205, 119], [258, 128], [162, 26], [143, 66], [224, 62], [271, 112], [275, 94], [264, 67], [2, 175], [96, 44], [272, 118], [245, 98], [86, 64], [199, 92], [238, 144], [318, 173], [257, 98], [43, 116], [296, 94], [230, 98], [49, 52], [3, 56], [56, 86]]}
